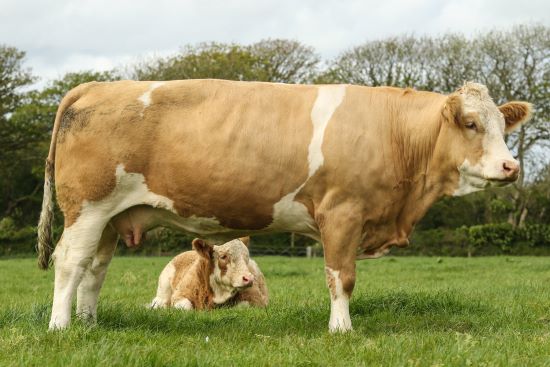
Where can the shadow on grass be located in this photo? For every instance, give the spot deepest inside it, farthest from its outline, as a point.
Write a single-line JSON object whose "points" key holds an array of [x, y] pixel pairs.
{"points": [[384, 313], [399, 311], [392, 312], [416, 303]]}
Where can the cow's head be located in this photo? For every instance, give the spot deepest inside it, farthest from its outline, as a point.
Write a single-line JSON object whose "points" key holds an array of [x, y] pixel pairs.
{"points": [[476, 138], [229, 262]]}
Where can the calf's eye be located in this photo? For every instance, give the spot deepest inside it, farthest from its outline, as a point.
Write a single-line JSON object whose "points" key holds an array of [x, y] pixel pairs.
{"points": [[471, 125], [223, 257]]}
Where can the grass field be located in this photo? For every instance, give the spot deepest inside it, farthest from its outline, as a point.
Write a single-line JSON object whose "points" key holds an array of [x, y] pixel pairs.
{"points": [[405, 311]]}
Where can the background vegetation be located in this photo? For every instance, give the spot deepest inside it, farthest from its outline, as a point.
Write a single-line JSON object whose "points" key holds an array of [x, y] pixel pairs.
{"points": [[514, 64]]}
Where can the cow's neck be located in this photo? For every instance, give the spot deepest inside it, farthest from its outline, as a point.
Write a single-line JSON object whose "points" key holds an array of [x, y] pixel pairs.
{"points": [[430, 173], [419, 172]]}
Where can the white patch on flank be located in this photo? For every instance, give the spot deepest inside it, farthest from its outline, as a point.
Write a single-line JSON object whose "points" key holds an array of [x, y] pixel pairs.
{"points": [[79, 242], [145, 98], [339, 305], [183, 304], [287, 213], [164, 288]]}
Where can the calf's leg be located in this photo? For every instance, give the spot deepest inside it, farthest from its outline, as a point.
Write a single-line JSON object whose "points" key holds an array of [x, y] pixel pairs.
{"points": [[90, 286], [164, 289], [341, 235]]}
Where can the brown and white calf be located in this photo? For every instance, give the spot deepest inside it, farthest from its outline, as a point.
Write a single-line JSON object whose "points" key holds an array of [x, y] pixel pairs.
{"points": [[351, 166], [211, 276]]}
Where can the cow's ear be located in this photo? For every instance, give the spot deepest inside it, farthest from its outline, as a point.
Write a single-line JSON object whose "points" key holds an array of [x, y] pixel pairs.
{"points": [[453, 109], [516, 113], [245, 240], [203, 248]]}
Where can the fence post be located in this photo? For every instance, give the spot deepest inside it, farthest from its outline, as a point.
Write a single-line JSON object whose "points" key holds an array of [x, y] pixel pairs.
{"points": [[309, 252]]}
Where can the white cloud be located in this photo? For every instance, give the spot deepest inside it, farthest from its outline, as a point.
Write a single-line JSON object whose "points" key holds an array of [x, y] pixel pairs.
{"points": [[64, 35]]}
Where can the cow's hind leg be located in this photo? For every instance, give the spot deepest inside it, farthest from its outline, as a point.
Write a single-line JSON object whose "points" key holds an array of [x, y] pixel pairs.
{"points": [[341, 234], [90, 286], [72, 256]]}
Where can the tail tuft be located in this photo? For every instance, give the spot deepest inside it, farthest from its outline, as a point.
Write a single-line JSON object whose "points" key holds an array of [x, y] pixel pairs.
{"points": [[45, 238]]}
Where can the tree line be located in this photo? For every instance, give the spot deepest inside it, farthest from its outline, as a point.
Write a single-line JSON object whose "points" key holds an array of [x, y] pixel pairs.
{"points": [[513, 63]]}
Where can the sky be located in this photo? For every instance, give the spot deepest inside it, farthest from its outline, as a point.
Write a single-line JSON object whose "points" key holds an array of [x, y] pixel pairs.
{"points": [[61, 36]]}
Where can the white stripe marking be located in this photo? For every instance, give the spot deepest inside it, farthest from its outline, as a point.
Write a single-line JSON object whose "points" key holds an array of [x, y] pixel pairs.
{"points": [[328, 99], [287, 213], [145, 98]]}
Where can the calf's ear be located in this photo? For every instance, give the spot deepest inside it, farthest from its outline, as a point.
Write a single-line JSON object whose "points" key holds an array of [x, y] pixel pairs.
{"points": [[245, 240], [203, 248], [515, 113]]}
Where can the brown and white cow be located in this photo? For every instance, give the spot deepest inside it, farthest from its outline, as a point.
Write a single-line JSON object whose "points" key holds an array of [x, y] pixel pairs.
{"points": [[211, 276], [354, 167]]}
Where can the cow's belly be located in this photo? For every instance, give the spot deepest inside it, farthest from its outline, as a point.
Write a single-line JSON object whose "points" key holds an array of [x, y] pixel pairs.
{"points": [[134, 222]]}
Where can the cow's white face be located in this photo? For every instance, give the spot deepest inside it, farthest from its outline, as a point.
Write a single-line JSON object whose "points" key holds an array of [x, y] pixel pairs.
{"points": [[484, 160], [229, 263]]}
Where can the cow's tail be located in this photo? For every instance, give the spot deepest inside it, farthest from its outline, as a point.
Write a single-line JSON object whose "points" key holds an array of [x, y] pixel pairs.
{"points": [[45, 237]]}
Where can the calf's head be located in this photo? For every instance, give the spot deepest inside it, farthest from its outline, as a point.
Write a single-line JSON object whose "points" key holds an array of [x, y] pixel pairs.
{"points": [[474, 138], [229, 262]]}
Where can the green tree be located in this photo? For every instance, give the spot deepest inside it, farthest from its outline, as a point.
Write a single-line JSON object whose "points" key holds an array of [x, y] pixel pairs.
{"points": [[516, 66], [27, 144], [268, 60]]}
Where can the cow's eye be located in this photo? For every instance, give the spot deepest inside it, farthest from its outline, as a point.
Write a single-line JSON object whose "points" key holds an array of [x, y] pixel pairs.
{"points": [[471, 125], [223, 257]]}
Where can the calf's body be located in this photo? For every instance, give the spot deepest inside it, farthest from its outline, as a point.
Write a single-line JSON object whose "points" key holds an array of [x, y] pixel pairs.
{"points": [[211, 276]]}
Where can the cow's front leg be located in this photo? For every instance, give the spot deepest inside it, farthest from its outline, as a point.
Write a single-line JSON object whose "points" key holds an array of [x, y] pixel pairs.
{"points": [[341, 234]]}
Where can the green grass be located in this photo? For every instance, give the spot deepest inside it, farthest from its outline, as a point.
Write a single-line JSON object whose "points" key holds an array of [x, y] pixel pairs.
{"points": [[405, 311]]}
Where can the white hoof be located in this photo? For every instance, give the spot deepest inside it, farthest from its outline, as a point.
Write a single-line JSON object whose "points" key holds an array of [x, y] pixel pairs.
{"points": [[339, 327], [183, 304], [58, 324], [157, 303]]}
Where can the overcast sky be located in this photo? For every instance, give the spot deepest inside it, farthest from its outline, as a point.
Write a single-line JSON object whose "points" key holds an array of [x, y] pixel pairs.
{"points": [[61, 35]]}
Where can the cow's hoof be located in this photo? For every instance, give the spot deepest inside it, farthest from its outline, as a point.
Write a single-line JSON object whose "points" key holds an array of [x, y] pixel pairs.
{"points": [[57, 325], [340, 328], [87, 317]]}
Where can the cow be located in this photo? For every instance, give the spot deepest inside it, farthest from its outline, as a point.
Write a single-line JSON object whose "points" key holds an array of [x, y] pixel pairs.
{"points": [[353, 167], [211, 276]]}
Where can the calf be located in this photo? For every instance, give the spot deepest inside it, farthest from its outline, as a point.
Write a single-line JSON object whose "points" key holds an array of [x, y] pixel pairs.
{"points": [[210, 276]]}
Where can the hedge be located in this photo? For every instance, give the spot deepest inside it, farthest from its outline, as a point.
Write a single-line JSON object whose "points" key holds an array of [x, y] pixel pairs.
{"points": [[479, 240]]}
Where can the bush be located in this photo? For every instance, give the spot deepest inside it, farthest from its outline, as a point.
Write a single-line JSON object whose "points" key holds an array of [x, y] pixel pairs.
{"points": [[480, 240], [14, 240]]}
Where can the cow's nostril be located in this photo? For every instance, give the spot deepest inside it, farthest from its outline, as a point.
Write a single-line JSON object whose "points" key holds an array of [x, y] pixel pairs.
{"points": [[246, 280], [510, 168]]}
